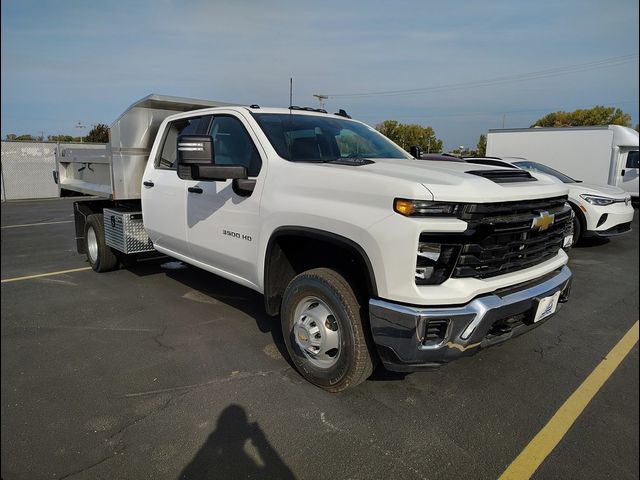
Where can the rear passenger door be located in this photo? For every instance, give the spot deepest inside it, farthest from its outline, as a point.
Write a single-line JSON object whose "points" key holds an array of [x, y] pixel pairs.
{"points": [[163, 193], [223, 223]]}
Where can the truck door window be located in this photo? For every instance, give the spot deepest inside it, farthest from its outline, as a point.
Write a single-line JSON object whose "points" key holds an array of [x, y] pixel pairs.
{"points": [[632, 159], [184, 126], [232, 145]]}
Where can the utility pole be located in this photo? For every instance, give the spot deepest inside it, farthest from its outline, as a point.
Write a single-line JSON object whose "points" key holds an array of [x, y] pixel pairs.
{"points": [[504, 116], [80, 127], [321, 98]]}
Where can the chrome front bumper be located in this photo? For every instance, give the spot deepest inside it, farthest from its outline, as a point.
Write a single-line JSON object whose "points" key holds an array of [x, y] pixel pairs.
{"points": [[412, 337]]}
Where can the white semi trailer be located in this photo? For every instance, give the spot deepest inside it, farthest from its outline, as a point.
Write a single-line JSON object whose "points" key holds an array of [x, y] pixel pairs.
{"points": [[606, 155]]}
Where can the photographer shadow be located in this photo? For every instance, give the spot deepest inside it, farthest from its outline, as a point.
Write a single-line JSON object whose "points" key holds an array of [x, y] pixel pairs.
{"points": [[225, 454]]}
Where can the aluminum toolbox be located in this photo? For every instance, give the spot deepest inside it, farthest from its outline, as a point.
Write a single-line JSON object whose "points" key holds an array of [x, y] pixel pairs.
{"points": [[124, 231]]}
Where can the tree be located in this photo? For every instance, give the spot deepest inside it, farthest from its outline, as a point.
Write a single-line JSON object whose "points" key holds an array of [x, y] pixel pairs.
{"points": [[98, 134], [598, 115], [60, 138], [11, 136], [481, 148], [408, 135], [24, 137]]}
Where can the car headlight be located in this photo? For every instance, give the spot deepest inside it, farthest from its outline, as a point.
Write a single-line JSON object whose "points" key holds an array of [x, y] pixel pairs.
{"points": [[425, 208], [435, 262], [597, 200]]}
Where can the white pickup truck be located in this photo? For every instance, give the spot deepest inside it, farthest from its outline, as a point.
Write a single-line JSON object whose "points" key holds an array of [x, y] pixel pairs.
{"points": [[364, 252]]}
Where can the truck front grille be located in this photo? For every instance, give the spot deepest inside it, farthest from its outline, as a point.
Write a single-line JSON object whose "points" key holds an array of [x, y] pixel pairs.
{"points": [[501, 237]]}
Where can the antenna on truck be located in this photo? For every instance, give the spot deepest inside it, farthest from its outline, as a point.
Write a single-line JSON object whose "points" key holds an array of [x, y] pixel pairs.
{"points": [[288, 137]]}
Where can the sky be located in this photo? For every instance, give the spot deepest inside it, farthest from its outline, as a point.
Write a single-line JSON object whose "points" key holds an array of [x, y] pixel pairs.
{"points": [[461, 67]]}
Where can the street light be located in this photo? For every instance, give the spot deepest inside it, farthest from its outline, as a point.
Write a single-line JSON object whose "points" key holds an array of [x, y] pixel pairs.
{"points": [[80, 126]]}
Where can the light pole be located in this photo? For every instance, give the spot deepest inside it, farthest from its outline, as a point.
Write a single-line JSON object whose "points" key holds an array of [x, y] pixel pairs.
{"points": [[80, 127], [321, 98]]}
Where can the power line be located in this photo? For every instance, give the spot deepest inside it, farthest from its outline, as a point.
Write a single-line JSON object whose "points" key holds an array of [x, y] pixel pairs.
{"points": [[503, 112], [551, 72]]}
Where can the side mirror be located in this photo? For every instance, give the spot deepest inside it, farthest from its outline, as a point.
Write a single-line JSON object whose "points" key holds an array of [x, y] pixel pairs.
{"points": [[415, 151], [196, 161]]}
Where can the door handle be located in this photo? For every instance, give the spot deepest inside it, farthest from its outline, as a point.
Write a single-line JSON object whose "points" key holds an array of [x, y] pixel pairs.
{"points": [[623, 172], [148, 183], [195, 189]]}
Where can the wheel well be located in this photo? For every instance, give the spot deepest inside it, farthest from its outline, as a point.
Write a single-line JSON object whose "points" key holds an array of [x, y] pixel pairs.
{"points": [[293, 251], [580, 215]]}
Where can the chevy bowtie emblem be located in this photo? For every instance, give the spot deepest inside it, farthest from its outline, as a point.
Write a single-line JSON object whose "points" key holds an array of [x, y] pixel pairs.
{"points": [[543, 221]]}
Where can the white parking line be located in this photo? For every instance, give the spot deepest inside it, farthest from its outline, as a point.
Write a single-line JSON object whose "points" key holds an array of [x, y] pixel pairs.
{"points": [[36, 224], [41, 275]]}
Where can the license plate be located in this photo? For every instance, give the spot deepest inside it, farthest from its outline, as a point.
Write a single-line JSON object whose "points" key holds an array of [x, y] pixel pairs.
{"points": [[546, 307]]}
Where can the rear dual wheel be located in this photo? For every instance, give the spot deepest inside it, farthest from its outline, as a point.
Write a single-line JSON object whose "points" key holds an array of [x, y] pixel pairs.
{"points": [[101, 257]]}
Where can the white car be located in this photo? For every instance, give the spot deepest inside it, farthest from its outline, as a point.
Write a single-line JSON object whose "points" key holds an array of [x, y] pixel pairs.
{"points": [[600, 210]]}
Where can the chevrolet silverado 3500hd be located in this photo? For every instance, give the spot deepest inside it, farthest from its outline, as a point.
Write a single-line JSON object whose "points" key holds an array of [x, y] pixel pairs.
{"points": [[365, 253]]}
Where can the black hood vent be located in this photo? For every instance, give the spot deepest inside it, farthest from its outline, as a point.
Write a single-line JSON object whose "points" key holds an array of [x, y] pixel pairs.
{"points": [[504, 176]]}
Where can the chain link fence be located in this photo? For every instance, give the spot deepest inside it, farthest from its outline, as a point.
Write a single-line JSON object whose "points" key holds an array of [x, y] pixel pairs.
{"points": [[27, 168]]}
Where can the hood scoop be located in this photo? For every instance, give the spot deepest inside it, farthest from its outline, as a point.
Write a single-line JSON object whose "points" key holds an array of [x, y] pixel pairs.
{"points": [[504, 176]]}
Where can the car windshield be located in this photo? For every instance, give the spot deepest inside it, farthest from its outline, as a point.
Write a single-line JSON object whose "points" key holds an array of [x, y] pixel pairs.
{"points": [[314, 138], [538, 167]]}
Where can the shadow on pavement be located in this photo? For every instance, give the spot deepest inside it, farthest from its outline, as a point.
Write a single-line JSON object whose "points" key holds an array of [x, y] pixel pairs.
{"points": [[225, 454]]}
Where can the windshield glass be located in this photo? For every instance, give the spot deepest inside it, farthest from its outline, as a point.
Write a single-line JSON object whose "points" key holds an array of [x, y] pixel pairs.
{"points": [[538, 167], [314, 138]]}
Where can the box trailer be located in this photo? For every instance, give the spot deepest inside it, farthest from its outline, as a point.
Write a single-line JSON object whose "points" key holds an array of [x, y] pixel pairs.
{"points": [[600, 155]]}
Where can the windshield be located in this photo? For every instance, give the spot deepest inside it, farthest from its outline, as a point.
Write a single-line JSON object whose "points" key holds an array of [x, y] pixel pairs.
{"points": [[538, 167], [312, 138]]}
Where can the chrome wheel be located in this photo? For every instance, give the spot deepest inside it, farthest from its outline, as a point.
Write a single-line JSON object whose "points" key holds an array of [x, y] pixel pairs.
{"points": [[316, 332], [92, 245]]}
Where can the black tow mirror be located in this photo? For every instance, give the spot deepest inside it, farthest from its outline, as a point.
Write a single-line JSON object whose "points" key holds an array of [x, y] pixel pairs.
{"points": [[415, 151], [194, 151], [196, 161]]}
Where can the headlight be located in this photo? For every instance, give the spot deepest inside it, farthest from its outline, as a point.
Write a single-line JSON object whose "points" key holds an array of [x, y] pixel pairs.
{"points": [[596, 200], [434, 262], [425, 208]]}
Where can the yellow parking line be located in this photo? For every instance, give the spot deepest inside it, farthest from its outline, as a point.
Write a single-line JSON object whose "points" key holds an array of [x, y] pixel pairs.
{"points": [[49, 274], [35, 224], [546, 440]]}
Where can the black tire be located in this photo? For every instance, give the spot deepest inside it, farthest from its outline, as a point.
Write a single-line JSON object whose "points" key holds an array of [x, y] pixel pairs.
{"points": [[355, 362], [102, 258], [577, 230]]}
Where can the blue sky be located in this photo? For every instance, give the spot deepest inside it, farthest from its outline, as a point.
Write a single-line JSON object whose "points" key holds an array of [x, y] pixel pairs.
{"points": [[65, 62]]}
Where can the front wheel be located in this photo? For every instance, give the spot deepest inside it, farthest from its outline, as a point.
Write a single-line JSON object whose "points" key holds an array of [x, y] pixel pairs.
{"points": [[323, 330], [577, 230]]}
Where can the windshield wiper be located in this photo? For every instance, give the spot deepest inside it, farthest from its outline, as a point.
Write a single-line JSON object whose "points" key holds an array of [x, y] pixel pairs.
{"points": [[352, 161]]}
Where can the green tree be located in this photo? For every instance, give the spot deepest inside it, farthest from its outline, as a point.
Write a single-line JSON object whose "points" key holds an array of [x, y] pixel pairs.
{"points": [[11, 136], [24, 137], [481, 148], [98, 134], [408, 135], [60, 138], [598, 115]]}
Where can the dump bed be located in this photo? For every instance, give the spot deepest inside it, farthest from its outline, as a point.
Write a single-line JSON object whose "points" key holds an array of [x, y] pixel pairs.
{"points": [[116, 170]]}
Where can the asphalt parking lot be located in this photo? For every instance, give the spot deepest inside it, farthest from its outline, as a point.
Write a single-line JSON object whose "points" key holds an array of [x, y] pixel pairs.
{"points": [[165, 372]]}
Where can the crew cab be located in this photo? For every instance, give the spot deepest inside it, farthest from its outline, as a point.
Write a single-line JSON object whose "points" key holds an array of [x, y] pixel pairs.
{"points": [[365, 253]]}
